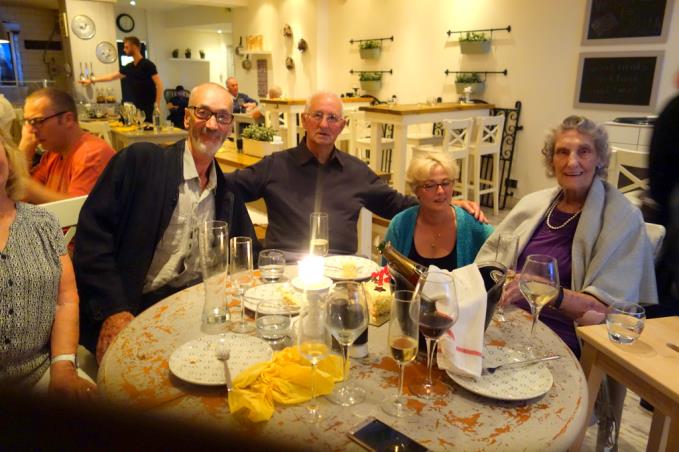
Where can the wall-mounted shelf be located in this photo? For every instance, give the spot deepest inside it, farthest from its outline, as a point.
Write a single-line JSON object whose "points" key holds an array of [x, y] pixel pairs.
{"points": [[390, 71], [508, 29], [390, 38], [448, 72], [195, 60]]}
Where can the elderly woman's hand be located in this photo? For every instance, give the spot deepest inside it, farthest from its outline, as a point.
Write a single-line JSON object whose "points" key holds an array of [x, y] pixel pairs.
{"points": [[471, 207], [511, 293], [64, 381]]}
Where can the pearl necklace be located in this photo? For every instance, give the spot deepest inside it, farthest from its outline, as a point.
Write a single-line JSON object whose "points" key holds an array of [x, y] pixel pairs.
{"points": [[549, 215]]}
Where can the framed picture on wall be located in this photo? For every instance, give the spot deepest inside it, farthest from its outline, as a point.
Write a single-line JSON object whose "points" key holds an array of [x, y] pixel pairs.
{"points": [[626, 21], [619, 80]]}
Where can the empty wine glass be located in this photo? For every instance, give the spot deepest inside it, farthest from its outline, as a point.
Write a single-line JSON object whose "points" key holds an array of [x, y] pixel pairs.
{"points": [[506, 253], [346, 318], [539, 284], [435, 318], [140, 117], [403, 343], [319, 242], [314, 342], [241, 276]]}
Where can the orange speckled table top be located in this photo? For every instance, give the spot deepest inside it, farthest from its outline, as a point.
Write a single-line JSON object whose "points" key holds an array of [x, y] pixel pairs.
{"points": [[135, 372]]}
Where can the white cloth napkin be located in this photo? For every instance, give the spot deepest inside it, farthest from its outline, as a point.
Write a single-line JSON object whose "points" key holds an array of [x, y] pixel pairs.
{"points": [[461, 349]]}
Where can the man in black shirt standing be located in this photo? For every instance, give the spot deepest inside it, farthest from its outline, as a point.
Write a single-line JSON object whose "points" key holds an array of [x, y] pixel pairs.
{"points": [[140, 76]]}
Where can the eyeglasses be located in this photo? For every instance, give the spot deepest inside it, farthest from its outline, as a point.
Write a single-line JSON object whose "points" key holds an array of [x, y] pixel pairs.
{"points": [[318, 116], [37, 122], [204, 114], [433, 186]]}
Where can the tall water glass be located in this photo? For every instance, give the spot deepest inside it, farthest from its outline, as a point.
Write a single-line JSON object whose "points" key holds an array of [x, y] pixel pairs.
{"points": [[507, 254], [271, 264], [213, 239], [539, 284], [403, 342], [319, 239], [241, 276], [434, 322], [346, 318], [314, 343]]}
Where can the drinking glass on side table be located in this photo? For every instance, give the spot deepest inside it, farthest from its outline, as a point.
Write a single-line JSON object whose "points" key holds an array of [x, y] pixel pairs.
{"points": [[625, 322], [403, 342], [434, 322], [242, 276]]}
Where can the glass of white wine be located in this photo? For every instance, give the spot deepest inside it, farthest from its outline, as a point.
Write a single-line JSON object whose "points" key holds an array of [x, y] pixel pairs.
{"points": [[506, 253], [539, 283], [314, 343], [319, 242], [404, 331], [242, 277]]}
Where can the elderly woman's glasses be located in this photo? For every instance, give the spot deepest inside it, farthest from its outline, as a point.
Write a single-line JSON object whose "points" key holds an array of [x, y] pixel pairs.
{"points": [[204, 114], [433, 186], [331, 118]]}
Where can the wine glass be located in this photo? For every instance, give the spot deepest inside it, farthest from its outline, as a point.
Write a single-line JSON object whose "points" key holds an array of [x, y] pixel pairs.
{"points": [[403, 342], [539, 283], [241, 276], [435, 318], [507, 253], [319, 243], [271, 265], [140, 117], [346, 318], [314, 342]]}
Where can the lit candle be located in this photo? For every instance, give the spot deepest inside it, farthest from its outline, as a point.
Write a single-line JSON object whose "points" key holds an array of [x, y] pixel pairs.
{"points": [[311, 270]]}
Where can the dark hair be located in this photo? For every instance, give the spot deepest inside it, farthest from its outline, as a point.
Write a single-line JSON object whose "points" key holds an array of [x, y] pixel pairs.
{"points": [[132, 40], [179, 88], [60, 100]]}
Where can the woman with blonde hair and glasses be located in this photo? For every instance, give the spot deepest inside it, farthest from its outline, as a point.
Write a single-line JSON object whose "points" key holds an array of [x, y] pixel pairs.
{"points": [[38, 296], [435, 232]]}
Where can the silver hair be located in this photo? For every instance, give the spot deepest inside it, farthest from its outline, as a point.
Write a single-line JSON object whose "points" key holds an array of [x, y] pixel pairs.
{"points": [[584, 126]]}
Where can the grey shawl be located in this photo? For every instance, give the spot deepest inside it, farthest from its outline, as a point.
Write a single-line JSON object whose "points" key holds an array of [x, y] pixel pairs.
{"points": [[612, 257]]}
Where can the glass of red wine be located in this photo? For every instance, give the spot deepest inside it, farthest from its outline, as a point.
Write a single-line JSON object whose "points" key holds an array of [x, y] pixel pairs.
{"points": [[436, 318]]}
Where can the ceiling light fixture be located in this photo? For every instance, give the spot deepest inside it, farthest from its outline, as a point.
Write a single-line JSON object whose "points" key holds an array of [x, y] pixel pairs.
{"points": [[219, 31], [133, 3]]}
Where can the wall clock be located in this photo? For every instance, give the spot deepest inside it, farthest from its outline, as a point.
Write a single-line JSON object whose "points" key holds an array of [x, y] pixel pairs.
{"points": [[83, 27], [125, 22], [106, 52]]}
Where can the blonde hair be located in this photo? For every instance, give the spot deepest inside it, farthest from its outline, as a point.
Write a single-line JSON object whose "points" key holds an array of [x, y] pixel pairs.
{"points": [[422, 165], [17, 168]]}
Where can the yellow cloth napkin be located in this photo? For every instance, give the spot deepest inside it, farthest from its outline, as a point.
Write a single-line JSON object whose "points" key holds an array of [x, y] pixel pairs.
{"points": [[126, 128], [285, 379]]}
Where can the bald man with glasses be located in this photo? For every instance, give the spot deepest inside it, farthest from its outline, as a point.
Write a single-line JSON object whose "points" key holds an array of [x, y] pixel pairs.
{"points": [[316, 176], [136, 242], [73, 158]]}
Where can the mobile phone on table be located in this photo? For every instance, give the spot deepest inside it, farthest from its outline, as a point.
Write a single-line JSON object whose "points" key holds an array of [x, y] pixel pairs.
{"points": [[377, 436]]}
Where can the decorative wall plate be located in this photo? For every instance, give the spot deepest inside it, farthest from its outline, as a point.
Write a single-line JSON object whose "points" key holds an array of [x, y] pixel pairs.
{"points": [[83, 27], [290, 63], [125, 22], [106, 52]]}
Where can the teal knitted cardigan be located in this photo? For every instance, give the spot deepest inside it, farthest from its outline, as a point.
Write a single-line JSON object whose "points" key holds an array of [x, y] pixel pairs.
{"points": [[471, 234]]}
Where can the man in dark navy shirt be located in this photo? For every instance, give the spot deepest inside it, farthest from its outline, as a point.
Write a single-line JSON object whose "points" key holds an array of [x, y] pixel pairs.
{"points": [[144, 86], [242, 103]]}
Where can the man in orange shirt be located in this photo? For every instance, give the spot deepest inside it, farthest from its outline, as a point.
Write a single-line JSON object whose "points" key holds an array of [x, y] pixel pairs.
{"points": [[73, 160]]}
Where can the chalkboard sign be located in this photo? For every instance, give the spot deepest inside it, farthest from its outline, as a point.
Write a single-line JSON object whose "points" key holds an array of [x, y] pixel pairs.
{"points": [[627, 21], [618, 80]]}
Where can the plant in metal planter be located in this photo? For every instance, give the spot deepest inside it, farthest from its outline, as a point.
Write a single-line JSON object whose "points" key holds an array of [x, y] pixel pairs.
{"points": [[370, 81], [258, 140], [472, 42], [472, 79], [370, 50]]}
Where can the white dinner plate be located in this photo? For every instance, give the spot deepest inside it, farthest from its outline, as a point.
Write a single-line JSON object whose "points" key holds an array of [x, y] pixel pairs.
{"points": [[282, 293], [195, 361], [340, 267], [511, 383]]}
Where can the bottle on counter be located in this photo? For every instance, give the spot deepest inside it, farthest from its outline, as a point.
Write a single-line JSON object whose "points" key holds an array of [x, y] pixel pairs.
{"points": [[156, 118]]}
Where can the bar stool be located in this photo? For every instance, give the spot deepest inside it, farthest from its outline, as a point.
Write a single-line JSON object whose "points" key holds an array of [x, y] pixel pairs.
{"points": [[457, 135], [361, 145], [487, 141]]}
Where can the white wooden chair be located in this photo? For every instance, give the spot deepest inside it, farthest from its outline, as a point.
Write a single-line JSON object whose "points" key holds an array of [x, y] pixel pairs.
{"points": [[100, 129], [622, 161], [360, 144], [365, 227], [656, 234], [487, 141], [67, 212]]}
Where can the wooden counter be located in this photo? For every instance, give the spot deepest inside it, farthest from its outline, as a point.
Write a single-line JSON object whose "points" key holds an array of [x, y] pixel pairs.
{"points": [[421, 109]]}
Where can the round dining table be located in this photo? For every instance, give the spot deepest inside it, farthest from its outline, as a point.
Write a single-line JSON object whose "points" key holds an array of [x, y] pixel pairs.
{"points": [[135, 373]]}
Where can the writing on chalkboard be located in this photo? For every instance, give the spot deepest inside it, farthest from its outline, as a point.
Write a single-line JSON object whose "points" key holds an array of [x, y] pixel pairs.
{"points": [[618, 79], [609, 21]]}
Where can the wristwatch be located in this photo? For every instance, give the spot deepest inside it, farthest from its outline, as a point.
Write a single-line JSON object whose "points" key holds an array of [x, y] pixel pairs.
{"points": [[559, 299], [66, 357]]}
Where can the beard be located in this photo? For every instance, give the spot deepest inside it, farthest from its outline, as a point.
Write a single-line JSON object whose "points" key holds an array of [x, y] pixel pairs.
{"points": [[207, 142]]}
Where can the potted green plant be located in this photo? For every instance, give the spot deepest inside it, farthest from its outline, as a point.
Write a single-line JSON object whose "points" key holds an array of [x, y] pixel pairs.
{"points": [[201, 52], [472, 42], [472, 79], [258, 140], [175, 53], [370, 50], [370, 81], [187, 53]]}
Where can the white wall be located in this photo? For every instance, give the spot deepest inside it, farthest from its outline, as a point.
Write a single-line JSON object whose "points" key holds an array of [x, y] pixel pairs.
{"points": [[541, 55]]}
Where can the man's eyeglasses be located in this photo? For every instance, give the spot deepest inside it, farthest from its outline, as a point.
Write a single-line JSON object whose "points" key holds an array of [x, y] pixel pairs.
{"points": [[318, 116], [204, 114], [433, 186], [37, 122]]}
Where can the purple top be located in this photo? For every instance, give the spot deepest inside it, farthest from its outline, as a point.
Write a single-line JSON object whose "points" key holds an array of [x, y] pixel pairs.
{"points": [[556, 243]]}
